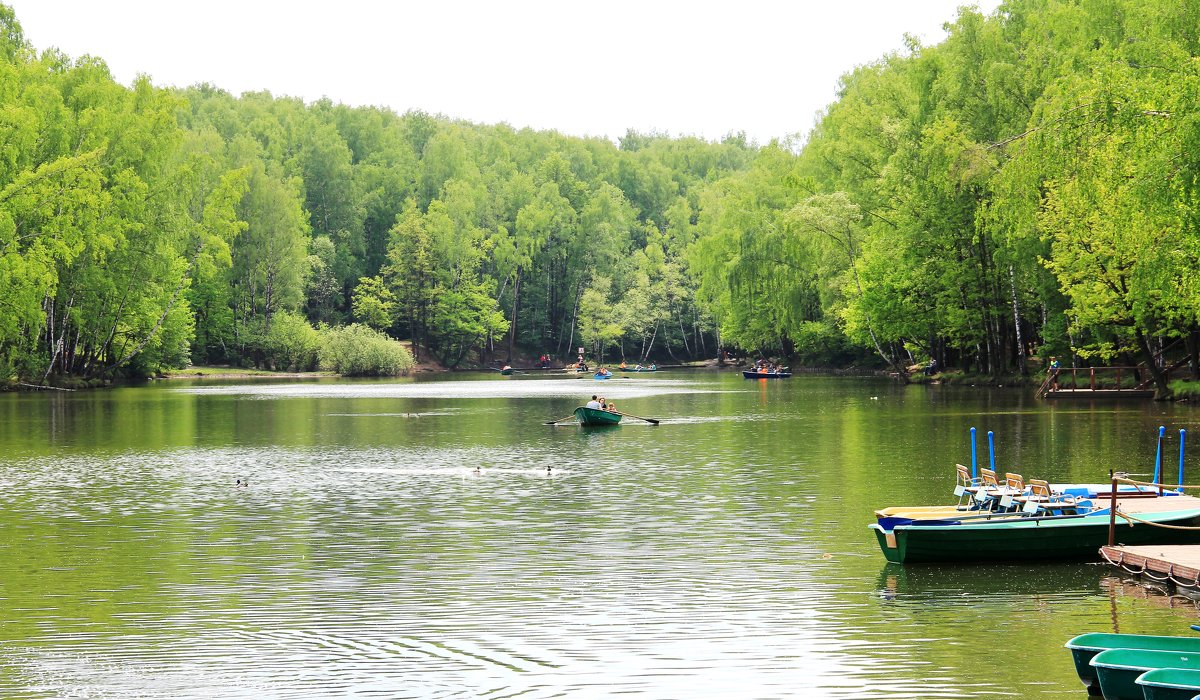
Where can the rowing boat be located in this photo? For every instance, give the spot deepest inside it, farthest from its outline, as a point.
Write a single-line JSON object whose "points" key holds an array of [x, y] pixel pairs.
{"points": [[1085, 647], [602, 375], [595, 416], [1118, 670], [748, 374], [1170, 684]]}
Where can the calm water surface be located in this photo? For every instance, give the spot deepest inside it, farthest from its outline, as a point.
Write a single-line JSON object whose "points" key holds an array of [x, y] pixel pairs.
{"points": [[434, 539]]}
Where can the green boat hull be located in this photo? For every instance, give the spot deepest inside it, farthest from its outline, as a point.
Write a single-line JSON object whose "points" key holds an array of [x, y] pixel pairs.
{"points": [[1086, 646], [1027, 539], [596, 417], [1170, 684], [1118, 670]]}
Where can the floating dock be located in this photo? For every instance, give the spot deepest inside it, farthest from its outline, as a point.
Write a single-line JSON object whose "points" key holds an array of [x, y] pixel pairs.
{"points": [[1175, 565]]}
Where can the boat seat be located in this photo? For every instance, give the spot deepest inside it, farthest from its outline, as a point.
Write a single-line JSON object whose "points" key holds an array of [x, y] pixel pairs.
{"points": [[1043, 498], [965, 487], [996, 496]]}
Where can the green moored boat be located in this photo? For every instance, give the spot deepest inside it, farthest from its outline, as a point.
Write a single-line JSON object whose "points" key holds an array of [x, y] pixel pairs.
{"points": [[1086, 646], [1118, 670], [596, 416], [1170, 684], [1034, 538]]}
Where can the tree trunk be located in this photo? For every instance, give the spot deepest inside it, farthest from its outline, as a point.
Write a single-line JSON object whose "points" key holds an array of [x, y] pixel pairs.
{"points": [[512, 336], [1162, 392], [1012, 282], [1192, 342]]}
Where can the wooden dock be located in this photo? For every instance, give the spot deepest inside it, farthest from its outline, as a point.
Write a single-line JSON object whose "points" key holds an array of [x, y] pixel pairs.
{"points": [[1176, 564], [1095, 383], [1068, 393]]}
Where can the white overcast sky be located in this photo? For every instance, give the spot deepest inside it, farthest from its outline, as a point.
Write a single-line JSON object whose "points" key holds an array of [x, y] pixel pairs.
{"points": [[584, 68]]}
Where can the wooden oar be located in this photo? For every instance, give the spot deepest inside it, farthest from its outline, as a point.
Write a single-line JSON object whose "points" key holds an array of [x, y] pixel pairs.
{"points": [[630, 415], [556, 422]]}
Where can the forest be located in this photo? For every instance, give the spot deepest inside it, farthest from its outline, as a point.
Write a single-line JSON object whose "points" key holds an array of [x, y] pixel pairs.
{"points": [[1025, 188]]}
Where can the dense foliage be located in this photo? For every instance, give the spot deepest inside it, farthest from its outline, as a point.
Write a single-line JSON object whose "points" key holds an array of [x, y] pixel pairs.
{"points": [[1027, 186]]}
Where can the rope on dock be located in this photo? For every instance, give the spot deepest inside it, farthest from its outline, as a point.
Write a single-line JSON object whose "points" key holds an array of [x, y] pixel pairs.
{"points": [[1120, 562], [1164, 487], [1132, 519], [1148, 574], [1194, 584]]}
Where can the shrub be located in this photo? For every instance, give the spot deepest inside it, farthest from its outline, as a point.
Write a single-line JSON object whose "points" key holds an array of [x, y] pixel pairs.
{"points": [[357, 350], [291, 344]]}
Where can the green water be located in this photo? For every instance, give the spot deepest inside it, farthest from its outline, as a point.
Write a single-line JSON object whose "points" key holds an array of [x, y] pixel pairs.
{"points": [[432, 538]]}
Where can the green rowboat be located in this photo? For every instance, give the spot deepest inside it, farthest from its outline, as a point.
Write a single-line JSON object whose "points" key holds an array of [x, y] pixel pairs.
{"points": [[1170, 684], [1118, 669], [595, 416], [1086, 646]]}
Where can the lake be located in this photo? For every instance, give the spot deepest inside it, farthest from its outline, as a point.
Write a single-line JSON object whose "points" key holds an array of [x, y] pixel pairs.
{"points": [[431, 537]]}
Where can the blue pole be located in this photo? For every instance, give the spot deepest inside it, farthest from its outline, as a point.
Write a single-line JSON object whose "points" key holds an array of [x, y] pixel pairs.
{"points": [[992, 450], [974, 468], [1162, 430], [1182, 439]]}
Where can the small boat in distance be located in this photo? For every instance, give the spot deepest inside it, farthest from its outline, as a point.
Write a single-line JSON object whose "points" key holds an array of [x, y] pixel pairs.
{"points": [[506, 370], [753, 374], [602, 374], [596, 416]]}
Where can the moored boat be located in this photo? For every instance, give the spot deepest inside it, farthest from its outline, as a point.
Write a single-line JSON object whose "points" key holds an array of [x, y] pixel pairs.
{"points": [[596, 416], [1034, 537], [1085, 647], [1118, 670], [1170, 684]]}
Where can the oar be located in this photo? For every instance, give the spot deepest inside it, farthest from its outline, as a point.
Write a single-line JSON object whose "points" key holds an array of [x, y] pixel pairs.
{"points": [[556, 422], [630, 415]]}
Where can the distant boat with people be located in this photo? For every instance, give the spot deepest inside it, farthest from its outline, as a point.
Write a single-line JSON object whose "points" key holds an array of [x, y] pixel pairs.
{"points": [[758, 374]]}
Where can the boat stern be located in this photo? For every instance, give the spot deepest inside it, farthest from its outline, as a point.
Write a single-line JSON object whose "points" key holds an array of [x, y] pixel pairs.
{"points": [[889, 543]]}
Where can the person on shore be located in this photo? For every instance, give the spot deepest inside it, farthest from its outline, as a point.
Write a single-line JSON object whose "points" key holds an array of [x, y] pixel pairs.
{"points": [[593, 404]]}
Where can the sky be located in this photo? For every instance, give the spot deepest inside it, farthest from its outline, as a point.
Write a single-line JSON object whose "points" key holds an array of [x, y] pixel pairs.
{"points": [[697, 68]]}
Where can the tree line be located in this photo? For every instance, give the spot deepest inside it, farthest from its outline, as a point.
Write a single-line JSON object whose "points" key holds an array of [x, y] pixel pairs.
{"points": [[1025, 187]]}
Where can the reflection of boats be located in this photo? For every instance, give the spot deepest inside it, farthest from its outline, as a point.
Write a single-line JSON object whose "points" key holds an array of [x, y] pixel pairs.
{"points": [[1026, 536], [926, 586], [1085, 647], [750, 374], [594, 416]]}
